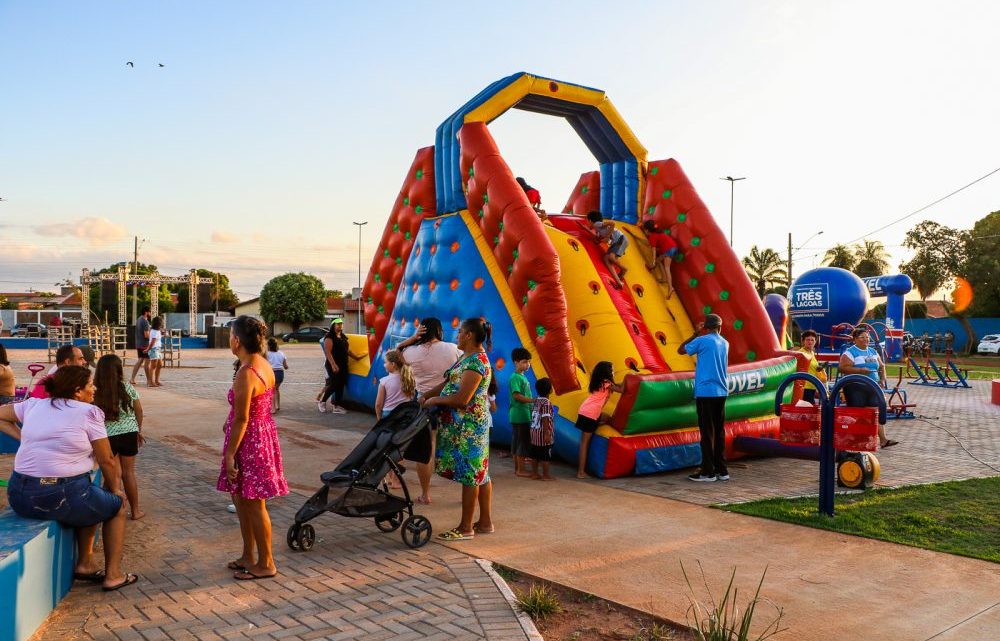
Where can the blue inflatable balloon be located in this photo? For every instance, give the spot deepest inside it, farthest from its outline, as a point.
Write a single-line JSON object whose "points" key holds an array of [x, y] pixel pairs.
{"points": [[827, 296]]}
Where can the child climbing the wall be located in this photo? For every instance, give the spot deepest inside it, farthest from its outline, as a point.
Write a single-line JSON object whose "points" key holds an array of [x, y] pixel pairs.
{"points": [[606, 232], [520, 409], [543, 430], [591, 413], [664, 248]]}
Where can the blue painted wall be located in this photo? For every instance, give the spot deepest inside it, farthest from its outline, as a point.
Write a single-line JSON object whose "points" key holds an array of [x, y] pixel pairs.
{"points": [[982, 327]]}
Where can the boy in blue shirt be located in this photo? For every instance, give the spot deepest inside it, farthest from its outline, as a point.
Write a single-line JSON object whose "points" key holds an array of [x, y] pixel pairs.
{"points": [[710, 392]]}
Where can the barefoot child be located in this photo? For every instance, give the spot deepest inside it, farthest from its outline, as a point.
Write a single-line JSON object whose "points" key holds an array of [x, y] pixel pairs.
{"points": [[606, 232], [602, 383], [543, 432], [664, 248], [520, 409]]}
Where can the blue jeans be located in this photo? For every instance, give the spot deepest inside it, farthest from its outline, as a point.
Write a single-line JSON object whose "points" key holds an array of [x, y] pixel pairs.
{"points": [[74, 501]]}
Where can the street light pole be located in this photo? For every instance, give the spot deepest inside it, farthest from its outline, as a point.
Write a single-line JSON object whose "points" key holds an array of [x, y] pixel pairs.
{"points": [[790, 251], [732, 195], [360, 225]]}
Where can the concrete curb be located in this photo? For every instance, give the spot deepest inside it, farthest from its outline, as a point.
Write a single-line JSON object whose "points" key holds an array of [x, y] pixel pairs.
{"points": [[527, 624]]}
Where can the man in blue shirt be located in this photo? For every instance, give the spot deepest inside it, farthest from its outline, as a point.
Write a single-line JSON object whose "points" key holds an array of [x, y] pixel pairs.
{"points": [[710, 391]]}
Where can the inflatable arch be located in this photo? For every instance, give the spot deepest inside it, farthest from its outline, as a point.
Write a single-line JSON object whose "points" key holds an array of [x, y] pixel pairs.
{"points": [[463, 241]]}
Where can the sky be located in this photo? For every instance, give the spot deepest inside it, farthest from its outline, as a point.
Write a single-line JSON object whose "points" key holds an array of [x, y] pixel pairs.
{"points": [[271, 127]]}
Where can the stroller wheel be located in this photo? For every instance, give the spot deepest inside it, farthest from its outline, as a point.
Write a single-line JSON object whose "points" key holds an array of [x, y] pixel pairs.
{"points": [[306, 537], [293, 537], [389, 523], [416, 531]]}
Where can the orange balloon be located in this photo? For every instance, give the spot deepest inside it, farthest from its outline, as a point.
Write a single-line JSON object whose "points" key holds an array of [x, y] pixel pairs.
{"points": [[962, 295]]}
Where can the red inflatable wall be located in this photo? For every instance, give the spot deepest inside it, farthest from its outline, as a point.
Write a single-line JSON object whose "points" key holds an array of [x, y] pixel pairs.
{"points": [[586, 196], [522, 249], [416, 201], [707, 273]]}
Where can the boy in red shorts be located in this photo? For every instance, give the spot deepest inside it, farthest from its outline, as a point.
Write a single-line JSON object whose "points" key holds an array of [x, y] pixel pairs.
{"points": [[664, 249]]}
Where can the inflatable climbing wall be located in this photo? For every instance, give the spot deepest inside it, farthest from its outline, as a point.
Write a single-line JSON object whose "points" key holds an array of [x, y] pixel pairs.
{"points": [[462, 241]]}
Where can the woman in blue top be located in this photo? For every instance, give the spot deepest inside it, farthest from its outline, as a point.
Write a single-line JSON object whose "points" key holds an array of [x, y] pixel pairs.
{"points": [[862, 359]]}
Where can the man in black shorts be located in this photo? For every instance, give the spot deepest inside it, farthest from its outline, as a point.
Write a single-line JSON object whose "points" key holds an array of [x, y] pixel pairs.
{"points": [[142, 328]]}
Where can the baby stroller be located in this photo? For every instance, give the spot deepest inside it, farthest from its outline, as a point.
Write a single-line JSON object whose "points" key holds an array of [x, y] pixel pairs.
{"points": [[358, 487]]}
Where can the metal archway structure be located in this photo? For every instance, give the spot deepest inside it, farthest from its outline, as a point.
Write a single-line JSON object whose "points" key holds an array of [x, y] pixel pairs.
{"points": [[124, 277]]}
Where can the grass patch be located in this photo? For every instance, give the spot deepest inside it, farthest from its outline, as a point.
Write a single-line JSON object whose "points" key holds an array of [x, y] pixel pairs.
{"points": [[538, 602], [958, 517], [505, 572]]}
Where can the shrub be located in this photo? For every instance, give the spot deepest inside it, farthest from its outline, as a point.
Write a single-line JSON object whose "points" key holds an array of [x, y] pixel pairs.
{"points": [[539, 602]]}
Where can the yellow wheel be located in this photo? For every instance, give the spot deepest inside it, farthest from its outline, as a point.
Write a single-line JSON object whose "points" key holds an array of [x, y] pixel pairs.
{"points": [[850, 473], [876, 468]]}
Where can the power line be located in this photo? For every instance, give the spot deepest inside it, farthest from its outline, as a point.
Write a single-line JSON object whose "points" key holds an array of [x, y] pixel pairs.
{"points": [[910, 215]]}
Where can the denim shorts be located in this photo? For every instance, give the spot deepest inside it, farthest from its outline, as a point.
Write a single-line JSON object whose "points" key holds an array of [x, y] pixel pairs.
{"points": [[75, 501]]}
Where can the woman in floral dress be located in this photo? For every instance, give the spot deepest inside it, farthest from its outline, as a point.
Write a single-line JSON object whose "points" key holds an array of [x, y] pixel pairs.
{"points": [[463, 438], [251, 465]]}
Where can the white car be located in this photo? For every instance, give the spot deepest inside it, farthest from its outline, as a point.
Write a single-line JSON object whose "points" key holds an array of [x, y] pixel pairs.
{"points": [[990, 344]]}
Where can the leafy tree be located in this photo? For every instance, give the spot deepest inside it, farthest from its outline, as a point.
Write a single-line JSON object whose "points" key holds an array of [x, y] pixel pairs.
{"points": [[840, 256], [765, 267], [293, 298], [227, 298], [871, 259], [982, 266], [940, 252], [335, 293], [6, 304]]}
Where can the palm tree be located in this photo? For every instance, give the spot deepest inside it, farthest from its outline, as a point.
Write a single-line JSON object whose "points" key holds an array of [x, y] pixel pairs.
{"points": [[871, 259], [840, 256], [764, 267]]}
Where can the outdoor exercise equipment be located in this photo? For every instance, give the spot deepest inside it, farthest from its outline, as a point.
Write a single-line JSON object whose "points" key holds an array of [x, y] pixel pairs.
{"points": [[941, 376], [463, 241]]}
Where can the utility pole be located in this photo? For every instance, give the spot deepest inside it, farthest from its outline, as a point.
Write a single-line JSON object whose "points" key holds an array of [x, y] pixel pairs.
{"points": [[789, 260], [360, 225], [732, 194], [135, 286]]}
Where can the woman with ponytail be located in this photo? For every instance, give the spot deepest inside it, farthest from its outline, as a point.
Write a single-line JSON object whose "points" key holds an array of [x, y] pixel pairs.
{"points": [[252, 470]]}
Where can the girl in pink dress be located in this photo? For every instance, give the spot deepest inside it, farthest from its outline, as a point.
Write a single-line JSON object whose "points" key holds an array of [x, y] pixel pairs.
{"points": [[251, 462]]}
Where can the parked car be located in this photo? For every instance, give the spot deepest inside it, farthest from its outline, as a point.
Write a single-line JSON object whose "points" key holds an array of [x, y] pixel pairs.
{"points": [[305, 335], [29, 329], [990, 344]]}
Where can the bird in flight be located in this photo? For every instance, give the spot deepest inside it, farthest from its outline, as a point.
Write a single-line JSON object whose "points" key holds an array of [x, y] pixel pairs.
{"points": [[160, 64], [130, 64]]}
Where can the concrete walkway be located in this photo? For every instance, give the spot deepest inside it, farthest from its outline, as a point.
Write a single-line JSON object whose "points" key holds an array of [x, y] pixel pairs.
{"points": [[613, 542]]}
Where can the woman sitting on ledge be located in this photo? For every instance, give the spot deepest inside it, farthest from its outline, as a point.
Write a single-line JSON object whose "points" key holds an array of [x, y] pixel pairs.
{"points": [[61, 437]]}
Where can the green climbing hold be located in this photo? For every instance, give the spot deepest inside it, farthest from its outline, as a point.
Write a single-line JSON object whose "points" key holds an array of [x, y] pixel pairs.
{"points": [[371, 331], [585, 189], [496, 240], [395, 227], [751, 355], [707, 309], [724, 295], [652, 210], [710, 267], [678, 257], [406, 200], [480, 213], [738, 324], [681, 217], [540, 330], [419, 209], [693, 282], [399, 260], [515, 254], [472, 172], [532, 285], [654, 170], [420, 174], [386, 253], [388, 286], [510, 269], [695, 241], [370, 300], [524, 299], [381, 309], [377, 278], [500, 227], [667, 193], [407, 235], [486, 198]]}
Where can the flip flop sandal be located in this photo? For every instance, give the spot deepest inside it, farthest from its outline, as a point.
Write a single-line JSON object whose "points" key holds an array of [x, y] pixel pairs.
{"points": [[479, 530], [456, 535], [96, 577], [129, 580], [890, 443], [236, 567], [250, 576]]}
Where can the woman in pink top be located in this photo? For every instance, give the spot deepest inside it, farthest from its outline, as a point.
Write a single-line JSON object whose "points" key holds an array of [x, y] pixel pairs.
{"points": [[61, 436], [430, 357], [591, 412]]}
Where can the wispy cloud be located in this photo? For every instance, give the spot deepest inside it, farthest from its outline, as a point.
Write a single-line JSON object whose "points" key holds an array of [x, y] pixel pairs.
{"points": [[96, 230], [223, 237]]}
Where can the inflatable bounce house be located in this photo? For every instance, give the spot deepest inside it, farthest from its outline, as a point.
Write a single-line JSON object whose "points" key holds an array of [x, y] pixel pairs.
{"points": [[463, 241]]}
